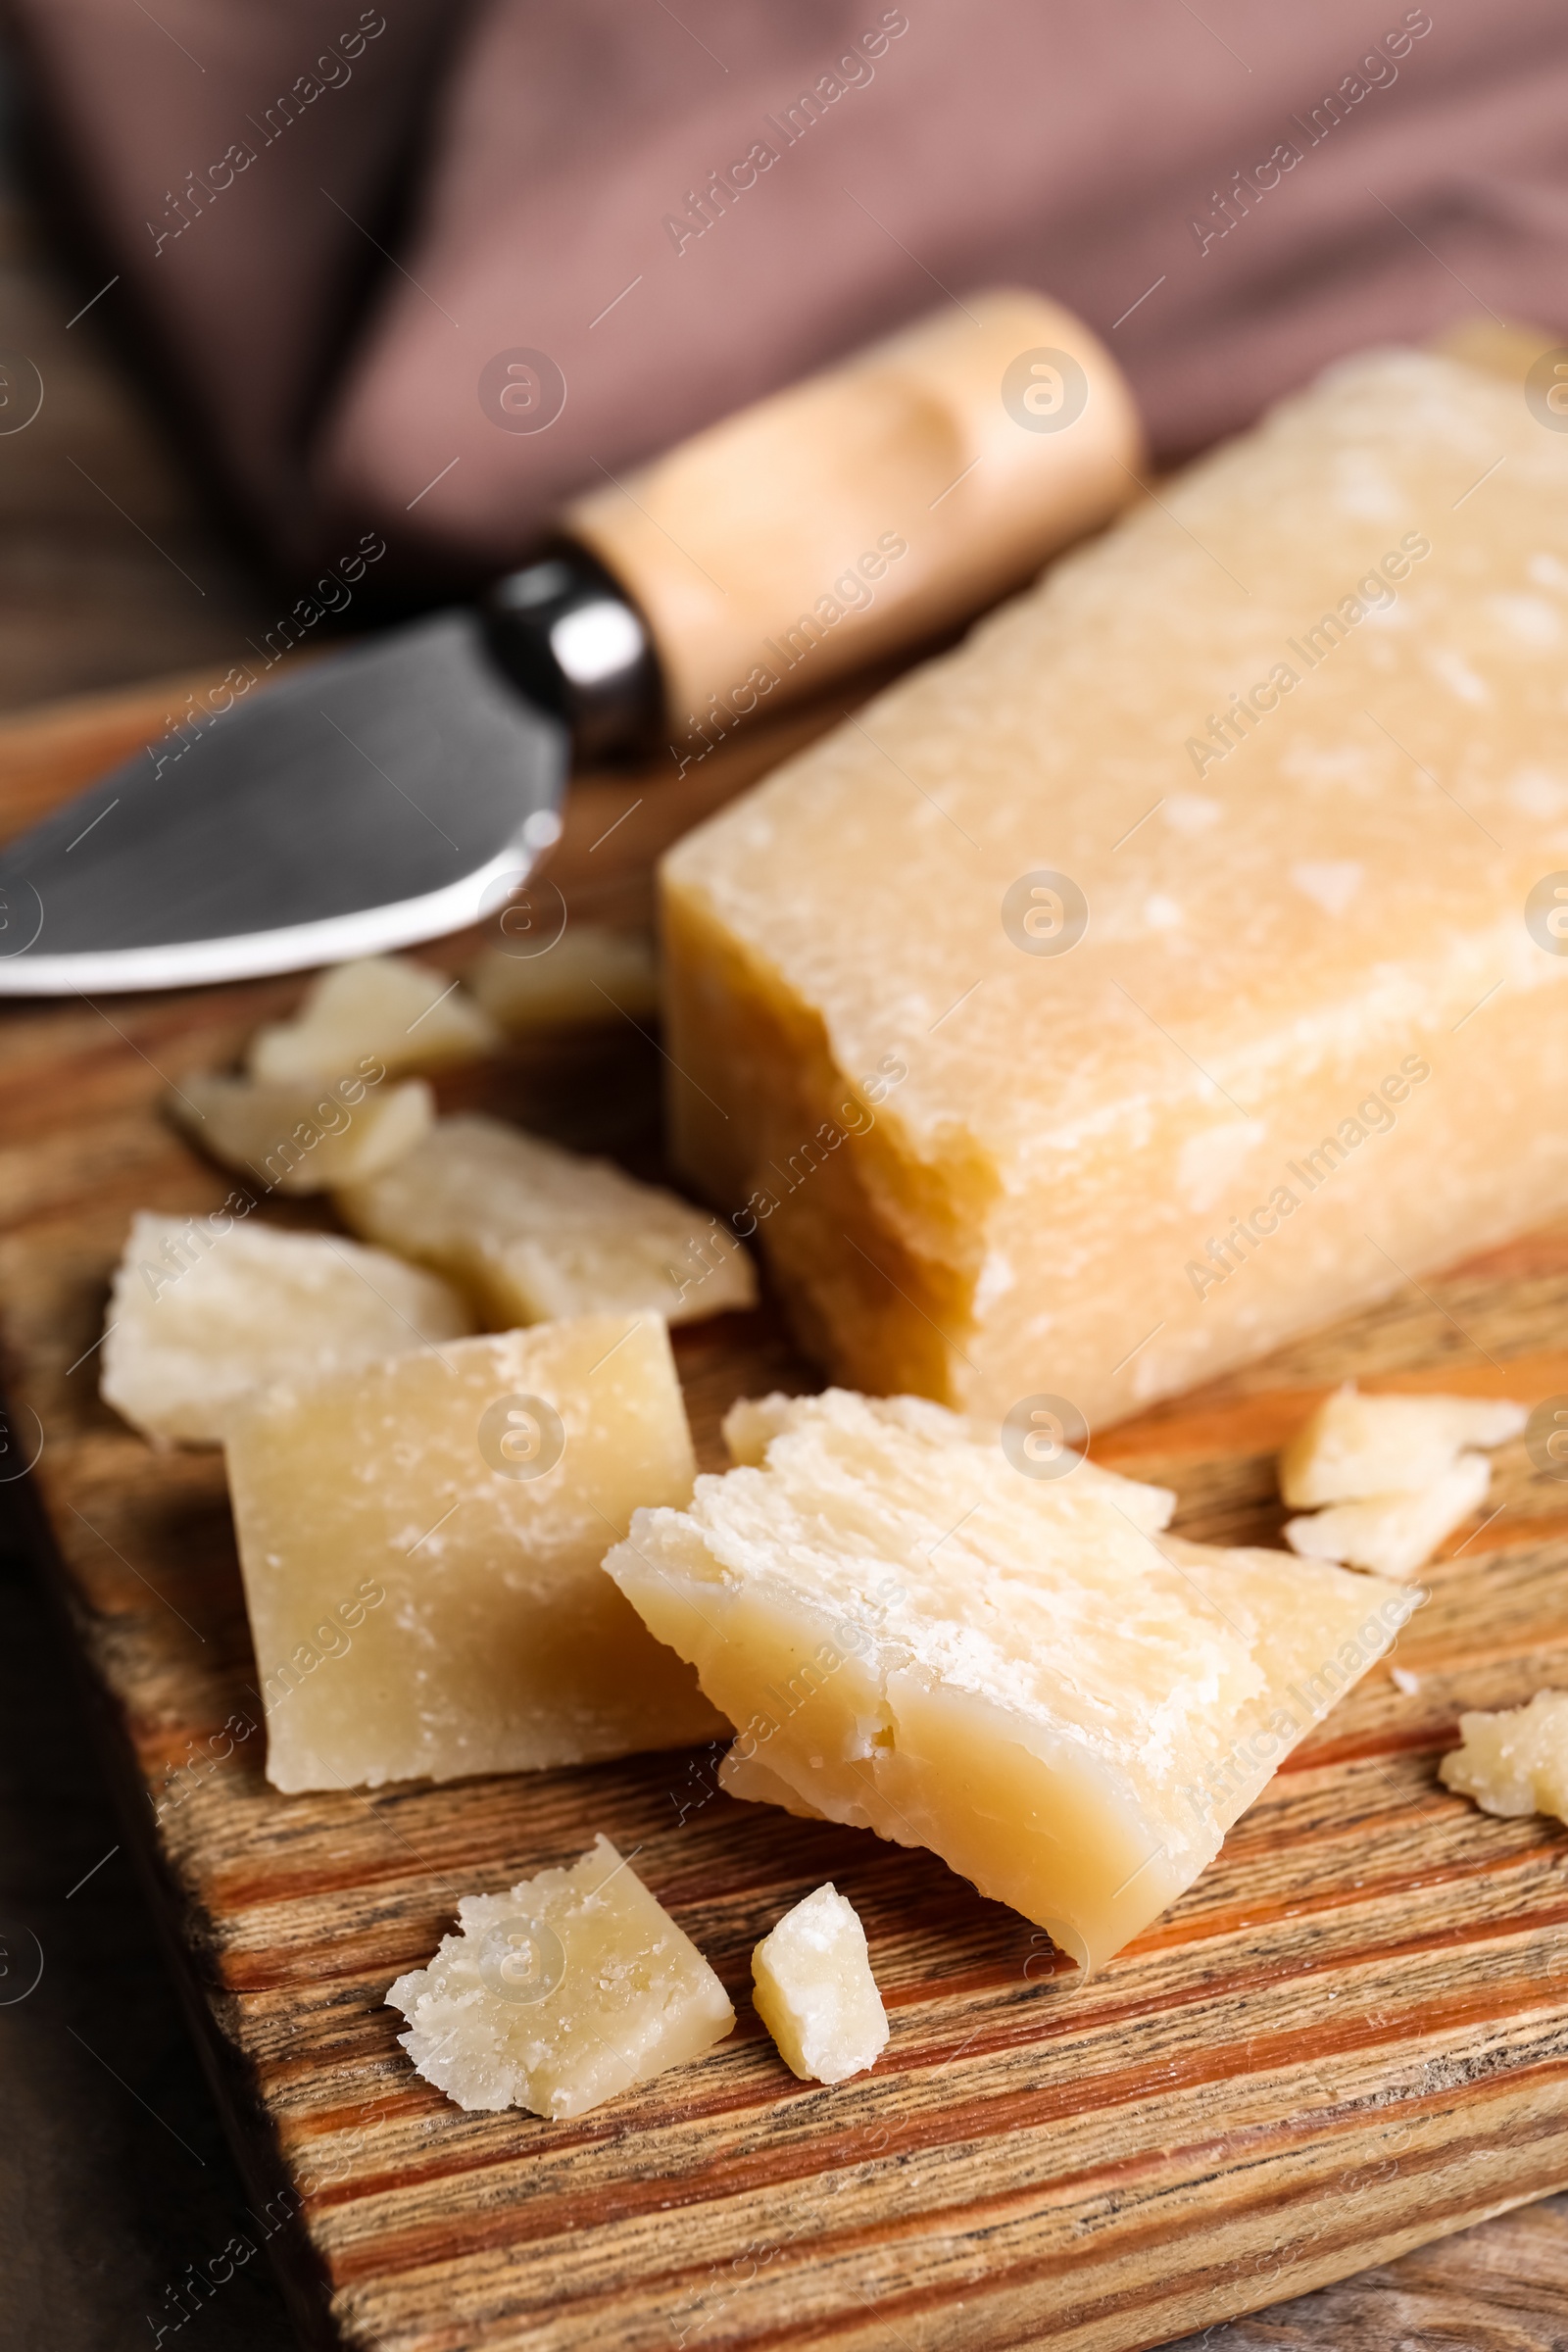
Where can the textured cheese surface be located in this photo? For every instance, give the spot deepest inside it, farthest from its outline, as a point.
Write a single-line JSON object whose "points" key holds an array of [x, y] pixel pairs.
{"points": [[591, 974], [532, 1231], [422, 1542], [299, 1138], [913, 1636], [409, 1017], [206, 1309], [813, 1989], [561, 1994], [1307, 1042], [1514, 1762], [1396, 1535], [1356, 1446]]}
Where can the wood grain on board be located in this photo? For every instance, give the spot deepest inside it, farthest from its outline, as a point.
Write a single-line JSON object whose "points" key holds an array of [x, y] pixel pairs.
{"points": [[1349, 2040]]}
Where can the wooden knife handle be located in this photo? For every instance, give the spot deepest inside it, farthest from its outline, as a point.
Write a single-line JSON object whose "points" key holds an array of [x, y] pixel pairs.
{"points": [[870, 506]]}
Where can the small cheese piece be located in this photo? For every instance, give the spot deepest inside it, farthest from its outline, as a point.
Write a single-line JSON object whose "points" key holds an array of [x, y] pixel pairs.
{"points": [[206, 1309], [532, 1231], [400, 1014], [1514, 1762], [466, 1495], [591, 974], [916, 1637], [561, 1994], [815, 1993], [1356, 1446], [1396, 1535], [304, 1139]]}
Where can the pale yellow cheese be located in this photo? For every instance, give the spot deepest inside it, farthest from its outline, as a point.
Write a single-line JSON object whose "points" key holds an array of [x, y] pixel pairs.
{"points": [[1356, 1446], [591, 974], [532, 1231], [204, 1311], [813, 1989], [304, 1139], [465, 1496], [403, 1015], [913, 1634], [1516, 1761], [1395, 1533], [561, 1994], [1309, 1041]]}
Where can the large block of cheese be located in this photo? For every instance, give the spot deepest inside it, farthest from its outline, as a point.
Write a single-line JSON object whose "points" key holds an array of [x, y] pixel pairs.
{"points": [[420, 1545], [915, 1635], [1210, 898]]}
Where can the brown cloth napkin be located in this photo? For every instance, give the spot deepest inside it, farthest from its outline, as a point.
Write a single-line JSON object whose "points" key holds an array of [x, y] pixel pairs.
{"points": [[429, 270]]}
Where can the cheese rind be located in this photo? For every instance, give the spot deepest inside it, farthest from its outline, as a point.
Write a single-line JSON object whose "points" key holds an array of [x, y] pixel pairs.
{"points": [[591, 974], [1394, 1535], [465, 1496], [304, 1139], [533, 1232], [403, 1015], [1292, 735], [813, 1989], [1515, 1761], [913, 1636], [561, 1994], [205, 1311], [1356, 1445]]}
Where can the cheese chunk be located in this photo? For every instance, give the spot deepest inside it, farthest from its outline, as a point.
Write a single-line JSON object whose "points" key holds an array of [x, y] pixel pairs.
{"points": [[206, 1309], [561, 1994], [304, 1139], [1356, 1446], [815, 1991], [402, 1014], [1159, 974], [532, 1232], [591, 974], [915, 1635], [466, 1497], [1514, 1762], [1395, 1533]]}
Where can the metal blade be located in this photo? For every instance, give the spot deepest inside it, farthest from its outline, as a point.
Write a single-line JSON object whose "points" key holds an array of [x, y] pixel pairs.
{"points": [[383, 796]]}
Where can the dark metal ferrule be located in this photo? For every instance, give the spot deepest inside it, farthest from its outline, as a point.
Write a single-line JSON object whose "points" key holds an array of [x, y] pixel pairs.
{"points": [[566, 632]]}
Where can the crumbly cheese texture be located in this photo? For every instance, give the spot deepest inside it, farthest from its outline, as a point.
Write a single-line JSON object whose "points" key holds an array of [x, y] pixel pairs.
{"points": [[204, 1311], [1394, 1535], [460, 1500], [561, 1994], [405, 1015], [813, 1989], [1356, 1446], [1303, 1046], [532, 1231], [1514, 1762], [299, 1138], [913, 1636], [589, 975]]}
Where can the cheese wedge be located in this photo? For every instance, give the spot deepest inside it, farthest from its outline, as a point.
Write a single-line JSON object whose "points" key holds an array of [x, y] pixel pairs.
{"points": [[1203, 899], [305, 1139], [1516, 1761], [532, 1232], [591, 975], [815, 1991], [400, 1014], [463, 1499], [204, 1311], [561, 1994], [915, 1635], [1356, 1445], [1395, 1533]]}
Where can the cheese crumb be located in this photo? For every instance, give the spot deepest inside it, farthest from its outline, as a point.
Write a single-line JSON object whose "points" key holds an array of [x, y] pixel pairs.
{"points": [[300, 1138], [1394, 1535], [400, 1014], [1356, 1446], [591, 974], [814, 1991], [561, 1994], [1405, 1681], [1516, 1761]]}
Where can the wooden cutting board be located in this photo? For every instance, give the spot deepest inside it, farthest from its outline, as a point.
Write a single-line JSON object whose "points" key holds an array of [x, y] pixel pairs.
{"points": [[1349, 2037]]}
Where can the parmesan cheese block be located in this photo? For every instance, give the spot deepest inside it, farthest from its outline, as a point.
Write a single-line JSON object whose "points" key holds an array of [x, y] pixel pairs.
{"points": [[1356, 1446], [914, 1634], [815, 1991], [206, 1309], [591, 974], [405, 1015], [561, 1994], [531, 1231], [1514, 1762], [304, 1139], [465, 1496], [1208, 899]]}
